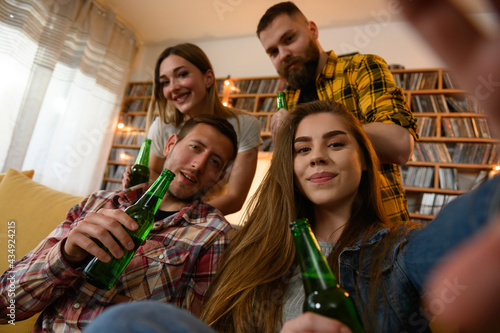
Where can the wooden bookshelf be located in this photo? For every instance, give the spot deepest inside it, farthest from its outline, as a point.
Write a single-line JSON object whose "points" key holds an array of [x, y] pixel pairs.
{"points": [[129, 134], [455, 153], [258, 96]]}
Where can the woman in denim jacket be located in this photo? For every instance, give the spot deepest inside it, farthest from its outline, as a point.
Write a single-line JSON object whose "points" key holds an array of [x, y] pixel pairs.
{"points": [[323, 168]]}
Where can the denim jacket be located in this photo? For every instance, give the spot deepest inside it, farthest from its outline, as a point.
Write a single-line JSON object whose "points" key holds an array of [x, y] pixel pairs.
{"points": [[409, 260], [401, 307]]}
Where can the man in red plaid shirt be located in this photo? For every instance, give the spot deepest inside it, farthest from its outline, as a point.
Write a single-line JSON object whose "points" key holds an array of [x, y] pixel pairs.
{"points": [[175, 264]]}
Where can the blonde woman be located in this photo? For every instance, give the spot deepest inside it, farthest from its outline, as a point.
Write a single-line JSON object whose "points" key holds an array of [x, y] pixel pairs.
{"points": [[184, 88]]}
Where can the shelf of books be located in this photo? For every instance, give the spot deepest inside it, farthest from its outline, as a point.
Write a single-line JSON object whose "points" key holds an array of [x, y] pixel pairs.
{"points": [[456, 151], [129, 134], [258, 96]]}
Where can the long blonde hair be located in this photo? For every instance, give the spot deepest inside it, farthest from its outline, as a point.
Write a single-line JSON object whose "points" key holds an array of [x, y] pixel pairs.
{"points": [[196, 56], [248, 292]]}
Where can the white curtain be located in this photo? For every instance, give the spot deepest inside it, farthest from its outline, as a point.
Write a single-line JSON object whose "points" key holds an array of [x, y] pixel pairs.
{"points": [[65, 65]]}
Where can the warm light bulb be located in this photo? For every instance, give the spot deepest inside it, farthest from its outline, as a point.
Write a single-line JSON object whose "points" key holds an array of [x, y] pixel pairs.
{"points": [[226, 82], [494, 171], [225, 104], [123, 156], [121, 125]]}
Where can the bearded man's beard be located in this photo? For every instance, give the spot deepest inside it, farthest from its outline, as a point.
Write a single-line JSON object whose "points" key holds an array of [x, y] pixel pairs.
{"points": [[188, 199], [304, 72]]}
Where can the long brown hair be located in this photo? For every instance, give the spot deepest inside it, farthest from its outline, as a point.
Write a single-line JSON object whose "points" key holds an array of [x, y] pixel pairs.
{"points": [[247, 293], [196, 56]]}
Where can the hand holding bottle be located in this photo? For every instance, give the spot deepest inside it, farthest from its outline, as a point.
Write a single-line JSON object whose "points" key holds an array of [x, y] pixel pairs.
{"points": [[126, 177], [104, 273], [312, 322], [106, 226], [279, 116]]}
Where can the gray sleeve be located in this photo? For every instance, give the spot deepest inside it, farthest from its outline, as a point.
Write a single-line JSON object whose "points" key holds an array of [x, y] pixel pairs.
{"points": [[157, 134], [249, 133]]}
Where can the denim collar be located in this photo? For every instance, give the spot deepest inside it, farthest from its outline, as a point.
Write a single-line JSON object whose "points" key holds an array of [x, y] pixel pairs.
{"points": [[374, 238], [350, 256]]}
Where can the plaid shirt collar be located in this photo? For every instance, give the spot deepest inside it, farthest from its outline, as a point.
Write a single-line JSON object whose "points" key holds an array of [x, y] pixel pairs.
{"points": [[328, 71]]}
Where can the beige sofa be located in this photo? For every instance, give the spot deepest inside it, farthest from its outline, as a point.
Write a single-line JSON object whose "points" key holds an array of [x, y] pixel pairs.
{"points": [[29, 211]]}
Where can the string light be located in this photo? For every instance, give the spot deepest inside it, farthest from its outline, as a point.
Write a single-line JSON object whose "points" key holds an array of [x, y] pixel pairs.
{"points": [[494, 170]]}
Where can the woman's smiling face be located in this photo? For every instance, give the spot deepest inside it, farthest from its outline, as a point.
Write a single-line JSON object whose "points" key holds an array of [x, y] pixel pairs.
{"points": [[327, 160], [184, 85]]}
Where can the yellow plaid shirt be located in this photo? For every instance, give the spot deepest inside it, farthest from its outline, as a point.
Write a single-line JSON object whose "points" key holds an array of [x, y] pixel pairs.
{"points": [[366, 86]]}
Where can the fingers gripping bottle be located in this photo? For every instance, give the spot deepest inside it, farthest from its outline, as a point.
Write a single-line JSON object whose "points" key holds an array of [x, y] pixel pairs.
{"points": [[104, 274]]}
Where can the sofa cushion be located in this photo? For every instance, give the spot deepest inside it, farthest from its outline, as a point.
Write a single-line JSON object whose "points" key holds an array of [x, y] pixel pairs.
{"points": [[28, 173], [29, 211]]}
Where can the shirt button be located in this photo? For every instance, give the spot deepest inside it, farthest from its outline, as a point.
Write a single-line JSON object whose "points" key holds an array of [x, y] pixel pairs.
{"points": [[161, 256], [77, 305]]}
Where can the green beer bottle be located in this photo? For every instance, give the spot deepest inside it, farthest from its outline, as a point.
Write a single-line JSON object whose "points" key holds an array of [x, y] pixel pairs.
{"points": [[104, 275], [139, 172], [281, 101], [323, 295]]}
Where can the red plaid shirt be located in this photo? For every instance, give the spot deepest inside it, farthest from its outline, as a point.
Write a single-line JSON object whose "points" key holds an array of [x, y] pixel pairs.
{"points": [[175, 264]]}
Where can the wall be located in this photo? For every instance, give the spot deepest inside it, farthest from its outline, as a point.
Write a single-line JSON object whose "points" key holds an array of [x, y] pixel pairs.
{"points": [[396, 42], [245, 57]]}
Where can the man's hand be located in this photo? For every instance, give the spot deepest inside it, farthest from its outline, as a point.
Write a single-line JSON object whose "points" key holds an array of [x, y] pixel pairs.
{"points": [[314, 323], [277, 121], [106, 226], [126, 177]]}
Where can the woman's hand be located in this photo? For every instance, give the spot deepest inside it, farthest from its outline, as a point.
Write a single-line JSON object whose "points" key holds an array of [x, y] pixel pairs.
{"points": [[312, 322], [463, 291]]}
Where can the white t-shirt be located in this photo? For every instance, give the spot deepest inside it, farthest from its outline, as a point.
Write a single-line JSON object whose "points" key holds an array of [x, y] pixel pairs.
{"points": [[248, 133]]}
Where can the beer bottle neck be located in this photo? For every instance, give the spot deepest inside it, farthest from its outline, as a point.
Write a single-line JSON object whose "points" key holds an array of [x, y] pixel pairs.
{"points": [[143, 156], [153, 196], [281, 101], [316, 274]]}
